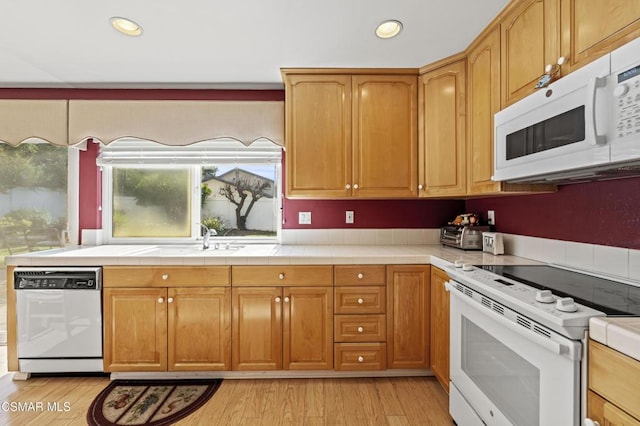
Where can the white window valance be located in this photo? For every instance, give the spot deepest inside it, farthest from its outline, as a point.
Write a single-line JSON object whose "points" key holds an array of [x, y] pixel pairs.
{"points": [[24, 119], [176, 122]]}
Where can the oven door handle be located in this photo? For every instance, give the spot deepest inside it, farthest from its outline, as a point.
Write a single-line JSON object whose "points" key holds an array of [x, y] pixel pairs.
{"points": [[550, 345]]}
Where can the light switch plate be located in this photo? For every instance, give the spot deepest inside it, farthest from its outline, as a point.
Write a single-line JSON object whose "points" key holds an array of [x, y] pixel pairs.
{"points": [[349, 218], [491, 217], [304, 218]]}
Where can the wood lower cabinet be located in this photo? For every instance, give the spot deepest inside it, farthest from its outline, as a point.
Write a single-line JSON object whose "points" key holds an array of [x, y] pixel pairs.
{"points": [[282, 317], [152, 323], [408, 316], [613, 387], [439, 343]]}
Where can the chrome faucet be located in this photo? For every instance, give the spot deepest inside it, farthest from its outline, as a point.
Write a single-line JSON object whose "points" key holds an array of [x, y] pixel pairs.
{"points": [[206, 236]]}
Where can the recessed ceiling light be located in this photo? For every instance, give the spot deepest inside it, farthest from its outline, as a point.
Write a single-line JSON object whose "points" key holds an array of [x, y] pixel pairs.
{"points": [[389, 28], [126, 26]]}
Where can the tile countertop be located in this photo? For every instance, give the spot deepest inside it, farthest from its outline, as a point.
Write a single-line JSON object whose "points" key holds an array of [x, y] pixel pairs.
{"points": [[258, 254], [619, 333]]}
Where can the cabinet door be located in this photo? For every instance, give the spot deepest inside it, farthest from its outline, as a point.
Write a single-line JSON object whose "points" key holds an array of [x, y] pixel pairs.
{"points": [[442, 133], [308, 328], [256, 328], [135, 329], [439, 348], [483, 77], [385, 136], [592, 28], [408, 314], [199, 328], [318, 135], [613, 416], [530, 41]]}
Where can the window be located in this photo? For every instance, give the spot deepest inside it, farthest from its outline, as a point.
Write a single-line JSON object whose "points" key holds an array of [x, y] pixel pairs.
{"points": [[34, 197], [155, 193]]}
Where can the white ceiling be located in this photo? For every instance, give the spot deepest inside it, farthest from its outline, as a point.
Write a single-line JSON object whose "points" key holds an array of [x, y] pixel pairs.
{"points": [[222, 44]]}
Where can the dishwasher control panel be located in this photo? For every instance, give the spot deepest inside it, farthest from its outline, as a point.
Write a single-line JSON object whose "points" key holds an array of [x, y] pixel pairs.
{"points": [[87, 278]]}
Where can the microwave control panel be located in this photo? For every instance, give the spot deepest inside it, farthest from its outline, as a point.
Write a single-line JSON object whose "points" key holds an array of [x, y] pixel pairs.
{"points": [[627, 102]]}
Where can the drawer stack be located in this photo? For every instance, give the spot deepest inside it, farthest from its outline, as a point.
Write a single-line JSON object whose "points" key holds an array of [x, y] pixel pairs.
{"points": [[360, 332]]}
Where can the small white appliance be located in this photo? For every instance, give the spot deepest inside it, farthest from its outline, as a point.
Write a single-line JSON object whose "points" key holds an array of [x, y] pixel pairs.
{"points": [[493, 243], [584, 126], [59, 319]]}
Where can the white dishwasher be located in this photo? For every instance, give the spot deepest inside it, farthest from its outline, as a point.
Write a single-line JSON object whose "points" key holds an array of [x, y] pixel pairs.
{"points": [[59, 319]]}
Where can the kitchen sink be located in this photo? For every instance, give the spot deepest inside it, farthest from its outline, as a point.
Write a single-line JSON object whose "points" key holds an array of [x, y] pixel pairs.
{"points": [[223, 249]]}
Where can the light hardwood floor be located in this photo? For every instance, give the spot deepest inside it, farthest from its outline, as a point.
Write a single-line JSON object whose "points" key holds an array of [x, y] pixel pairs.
{"points": [[389, 401]]}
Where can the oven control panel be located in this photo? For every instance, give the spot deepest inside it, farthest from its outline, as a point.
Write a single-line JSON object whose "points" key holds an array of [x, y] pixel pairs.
{"points": [[626, 93]]}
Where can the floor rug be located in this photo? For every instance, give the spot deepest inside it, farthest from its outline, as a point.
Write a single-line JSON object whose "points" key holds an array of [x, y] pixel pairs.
{"points": [[149, 402]]}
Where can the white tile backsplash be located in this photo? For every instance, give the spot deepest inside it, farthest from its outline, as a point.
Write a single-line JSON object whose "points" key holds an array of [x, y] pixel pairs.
{"points": [[373, 237], [578, 255], [611, 260], [634, 264]]}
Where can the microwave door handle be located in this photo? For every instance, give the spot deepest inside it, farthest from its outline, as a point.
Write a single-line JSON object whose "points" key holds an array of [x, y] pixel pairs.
{"points": [[590, 110]]}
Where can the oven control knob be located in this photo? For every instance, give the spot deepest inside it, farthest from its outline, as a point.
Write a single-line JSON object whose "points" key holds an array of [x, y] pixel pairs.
{"points": [[566, 304], [544, 296], [467, 267]]}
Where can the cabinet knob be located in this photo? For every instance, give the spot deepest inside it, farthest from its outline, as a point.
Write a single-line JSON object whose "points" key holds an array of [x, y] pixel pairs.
{"points": [[420, 186], [360, 301], [286, 299], [278, 299], [170, 300], [165, 277], [589, 422], [360, 358], [355, 186], [160, 300], [360, 276], [347, 186], [360, 329], [281, 276]]}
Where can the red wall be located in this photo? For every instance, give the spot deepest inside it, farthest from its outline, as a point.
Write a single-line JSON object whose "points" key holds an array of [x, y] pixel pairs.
{"points": [[90, 190], [606, 213]]}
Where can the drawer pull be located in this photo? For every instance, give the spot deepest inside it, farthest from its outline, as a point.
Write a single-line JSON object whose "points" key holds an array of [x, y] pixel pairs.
{"points": [[360, 301], [360, 358], [281, 276], [278, 299], [360, 276], [355, 186], [170, 300], [360, 329], [286, 299], [160, 300], [165, 276], [347, 186]]}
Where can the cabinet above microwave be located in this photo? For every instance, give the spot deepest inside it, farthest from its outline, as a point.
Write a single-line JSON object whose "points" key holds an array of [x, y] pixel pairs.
{"points": [[585, 126]]}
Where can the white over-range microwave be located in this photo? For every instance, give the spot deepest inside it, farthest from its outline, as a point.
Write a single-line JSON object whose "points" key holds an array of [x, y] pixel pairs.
{"points": [[585, 126]]}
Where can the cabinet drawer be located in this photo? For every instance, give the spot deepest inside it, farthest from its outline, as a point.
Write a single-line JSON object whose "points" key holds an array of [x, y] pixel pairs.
{"points": [[359, 300], [282, 275], [615, 377], [360, 356], [165, 276], [360, 328], [352, 275]]}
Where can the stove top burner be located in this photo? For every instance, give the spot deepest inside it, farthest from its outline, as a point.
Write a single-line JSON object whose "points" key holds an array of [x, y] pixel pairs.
{"points": [[608, 296]]}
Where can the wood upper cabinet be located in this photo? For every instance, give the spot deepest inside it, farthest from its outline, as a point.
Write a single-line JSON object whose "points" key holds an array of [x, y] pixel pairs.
{"points": [[591, 29], [385, 136], [442, 135], [318, 135], [483, 101], [530, 35], [439, 345], [408, 316], [351, 133], [278, 328]]}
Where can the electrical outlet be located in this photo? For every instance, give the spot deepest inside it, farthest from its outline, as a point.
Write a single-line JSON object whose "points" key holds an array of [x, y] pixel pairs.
{"points": [[349, 217], [491, 217], [304, 218]]}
